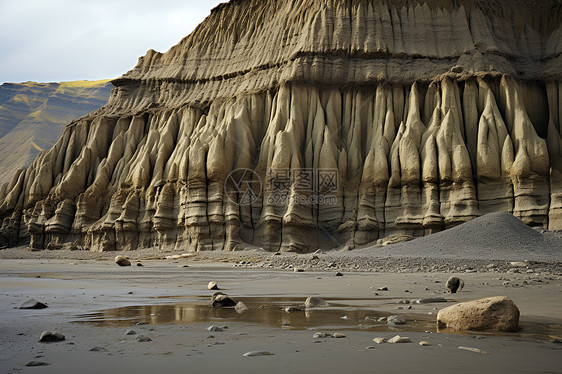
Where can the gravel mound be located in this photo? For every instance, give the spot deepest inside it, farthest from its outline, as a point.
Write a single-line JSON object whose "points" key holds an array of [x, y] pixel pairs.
{"points": [[494, 236]]}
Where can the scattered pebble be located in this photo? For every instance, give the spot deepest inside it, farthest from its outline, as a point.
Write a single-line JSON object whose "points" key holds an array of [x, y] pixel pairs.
{"points": [[98, 349], [36, 363], [51, 336], [212, 286], [472, 349], [424, 343], [379, 340], [143, 339], [399, 339], [321, 335], [257, 353], [338, 274], [122, 261], [33, 304], [395, 320], [130, 332], [240, 307], [382, 289], [214, 328], [314, 302], [337, 335], [370, 347]]}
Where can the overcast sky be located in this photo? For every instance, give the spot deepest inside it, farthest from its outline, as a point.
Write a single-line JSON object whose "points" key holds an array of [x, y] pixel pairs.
{"points": [[65, 40]]}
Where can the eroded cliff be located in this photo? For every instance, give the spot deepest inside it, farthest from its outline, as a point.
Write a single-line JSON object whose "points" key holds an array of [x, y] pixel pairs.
{"points": [[344, 121]]}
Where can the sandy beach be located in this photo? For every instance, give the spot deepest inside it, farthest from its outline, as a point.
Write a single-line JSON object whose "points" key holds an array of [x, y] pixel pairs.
{"points": [[94, 303]]}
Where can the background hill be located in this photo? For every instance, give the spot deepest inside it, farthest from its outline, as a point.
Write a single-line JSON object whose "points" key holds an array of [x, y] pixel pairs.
{"points": [[34, 115]]}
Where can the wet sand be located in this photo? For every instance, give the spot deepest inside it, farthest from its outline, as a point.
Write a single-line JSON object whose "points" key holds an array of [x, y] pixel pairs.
{"points": [[94, 302]]}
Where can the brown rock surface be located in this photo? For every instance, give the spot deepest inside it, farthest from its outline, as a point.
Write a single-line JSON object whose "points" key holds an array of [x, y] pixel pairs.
{"points": [[347, 115], [497, 313]]}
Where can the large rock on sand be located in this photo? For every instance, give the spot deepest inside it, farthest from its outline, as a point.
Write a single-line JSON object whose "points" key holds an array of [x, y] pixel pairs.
{"points": [[497, 313]]}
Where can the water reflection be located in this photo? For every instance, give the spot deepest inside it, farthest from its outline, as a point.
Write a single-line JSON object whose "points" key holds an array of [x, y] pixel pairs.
{"points": [[270, 311], [342, 314]]}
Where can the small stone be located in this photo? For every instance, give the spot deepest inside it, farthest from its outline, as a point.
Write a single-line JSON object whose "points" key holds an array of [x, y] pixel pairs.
{"points": [[424, 343], [257, 353], [454, 284], [396, 320], [457, 69], [429, 300], [286, 324], [379, 340], [51, 336], [36, 363], [221, 300], [141, 323], [382, 289], [143, 339], [290, 309], [556, 341], [298, 270], [130, 332], [381, 319], [314, 302], [33, 304], [122, 261], [337, 335], [98, 349], [321, 335], [399, 339], [240, 307], [338, 274], [472, 349], [212, 286], [214, 328], [369, 348], [139, 264]]}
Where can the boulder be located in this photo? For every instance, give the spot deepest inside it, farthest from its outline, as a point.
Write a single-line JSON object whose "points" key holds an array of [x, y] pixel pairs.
{"points": [[497, 313], [122, 261]]}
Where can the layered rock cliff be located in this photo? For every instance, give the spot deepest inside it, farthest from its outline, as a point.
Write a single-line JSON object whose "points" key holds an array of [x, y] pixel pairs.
{"points": [[296, 125], [34, 115]]}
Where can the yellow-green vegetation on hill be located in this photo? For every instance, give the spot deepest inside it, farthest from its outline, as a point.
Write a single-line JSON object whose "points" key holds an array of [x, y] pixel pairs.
{"points": [[34, 115]]}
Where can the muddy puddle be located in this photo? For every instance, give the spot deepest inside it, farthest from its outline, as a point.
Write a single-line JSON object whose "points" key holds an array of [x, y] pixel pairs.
{"points": [[289, 313]]}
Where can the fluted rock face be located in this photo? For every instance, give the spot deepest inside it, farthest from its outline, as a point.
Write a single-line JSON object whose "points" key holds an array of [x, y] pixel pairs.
{"points": [[294, 125]]}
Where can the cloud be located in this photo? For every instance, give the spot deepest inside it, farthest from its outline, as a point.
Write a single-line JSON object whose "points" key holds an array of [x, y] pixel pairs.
{"points": [[61, 40]]}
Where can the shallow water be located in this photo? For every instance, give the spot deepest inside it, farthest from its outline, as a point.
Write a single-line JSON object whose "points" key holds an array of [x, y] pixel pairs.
{"points": [[342, 314]]}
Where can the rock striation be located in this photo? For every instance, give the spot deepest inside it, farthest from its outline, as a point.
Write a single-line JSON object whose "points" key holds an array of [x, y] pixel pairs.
{"points": [[297, 125]]}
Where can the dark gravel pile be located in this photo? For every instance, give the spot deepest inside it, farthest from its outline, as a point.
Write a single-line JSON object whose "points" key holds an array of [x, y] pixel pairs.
{"points": [[494, 236]]}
